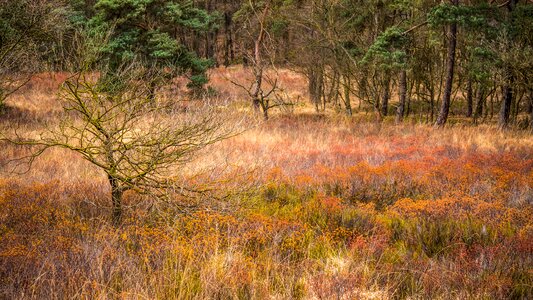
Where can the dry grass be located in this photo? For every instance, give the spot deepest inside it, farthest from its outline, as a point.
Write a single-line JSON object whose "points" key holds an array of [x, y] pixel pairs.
{"points": [[324, 207]]}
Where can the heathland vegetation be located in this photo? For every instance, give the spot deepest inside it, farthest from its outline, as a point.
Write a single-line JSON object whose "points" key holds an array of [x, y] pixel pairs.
{"points": [[246, 149]]}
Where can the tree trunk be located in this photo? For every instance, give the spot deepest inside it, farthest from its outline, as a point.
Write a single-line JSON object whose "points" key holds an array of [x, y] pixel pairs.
{"points": [[258, 72], [265, 113], [530, 103], [211, 38], [432, 104], [469, 99], [386, 97], [333, 89], [507, 101], [408, 108], [403, 94], [347, 101], [505, 109], [196, 43], [336, 94], [445, 105], [228, 49], [116, 199], [515, 110], [490, 114], [257, 95], [377, 106], [479, 103], [323, 92], [212, 47], [531, 110], [256, 101], [151, 92], [315, 86]]}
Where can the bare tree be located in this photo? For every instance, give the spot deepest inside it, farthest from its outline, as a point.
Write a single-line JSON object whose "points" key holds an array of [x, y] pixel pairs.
{"points": [[264, 91], [137, 144], [269, 95]]}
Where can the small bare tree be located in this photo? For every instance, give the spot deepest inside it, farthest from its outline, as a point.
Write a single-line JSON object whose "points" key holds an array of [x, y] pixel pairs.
{"points": [[266, 96], [137, 144], [264, 91]]}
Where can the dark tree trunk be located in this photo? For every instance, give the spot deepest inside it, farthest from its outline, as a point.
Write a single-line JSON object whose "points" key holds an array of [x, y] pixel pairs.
{"points": [[529, 107], [116, 199], [431, 104], [228, 47], [335, 97], [315, 86], [323, 92], [515, 109], [311, 85], [347, 101], [196, 43], [505, 109], [211, 47], [333, 89], [403, 95], [469, 99], [211, 38], [507, 101], [408, 108], [152, 87], [531, 110], [445, 105], [377, 106], [479, 103], [490, 113], [265, 113], [386, 97]]}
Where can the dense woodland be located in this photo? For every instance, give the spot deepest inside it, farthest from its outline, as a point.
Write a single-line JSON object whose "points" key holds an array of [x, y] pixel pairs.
{"points": [[437, 58], [266, 149]]}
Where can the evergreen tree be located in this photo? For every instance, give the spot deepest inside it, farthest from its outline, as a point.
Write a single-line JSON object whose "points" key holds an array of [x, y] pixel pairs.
{"points": [[153, 33]]}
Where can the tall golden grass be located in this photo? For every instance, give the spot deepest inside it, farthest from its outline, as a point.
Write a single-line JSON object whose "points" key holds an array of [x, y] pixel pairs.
{"points": [[317, 207]]}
